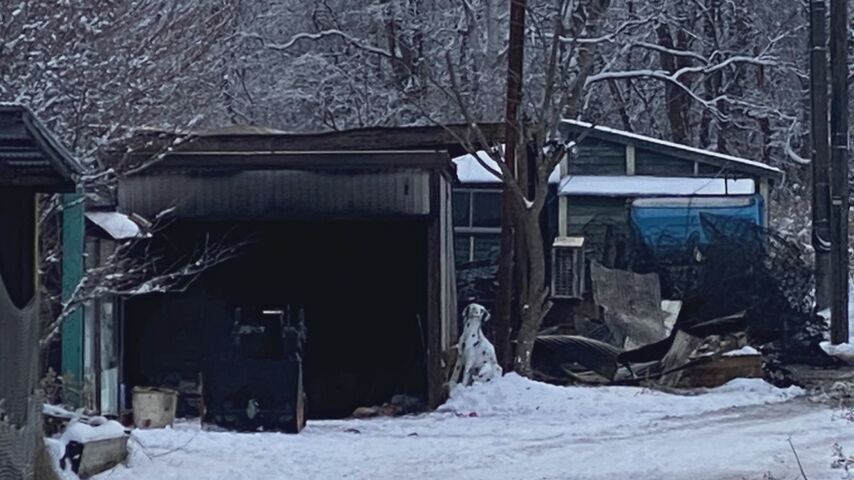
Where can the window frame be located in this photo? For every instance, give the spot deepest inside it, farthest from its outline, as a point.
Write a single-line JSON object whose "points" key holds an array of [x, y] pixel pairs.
{"points": [[469, 231]]}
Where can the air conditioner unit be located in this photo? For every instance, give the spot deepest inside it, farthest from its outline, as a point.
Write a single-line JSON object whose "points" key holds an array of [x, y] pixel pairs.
{"points": [[568, 267]]}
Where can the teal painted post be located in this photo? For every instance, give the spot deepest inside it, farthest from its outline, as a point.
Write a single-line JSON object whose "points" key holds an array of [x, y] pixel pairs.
{"points": [[72, 272]]}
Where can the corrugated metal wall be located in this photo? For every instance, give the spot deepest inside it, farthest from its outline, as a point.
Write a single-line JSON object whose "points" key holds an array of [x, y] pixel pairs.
{"points": [[279, 193]]}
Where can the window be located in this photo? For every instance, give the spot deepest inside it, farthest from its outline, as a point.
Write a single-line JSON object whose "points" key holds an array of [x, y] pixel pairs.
{"points": [[486, 209], [486, 246], [462, 208], [477, 224]]}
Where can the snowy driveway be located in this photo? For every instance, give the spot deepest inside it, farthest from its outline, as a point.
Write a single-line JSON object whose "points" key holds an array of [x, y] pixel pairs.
{"points": [[518, 429]]}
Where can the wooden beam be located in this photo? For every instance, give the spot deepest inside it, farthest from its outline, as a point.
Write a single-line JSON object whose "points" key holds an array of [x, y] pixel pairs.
{"points": [[562, 201], [209, 160], [72, 272], [374, 138], [765, 193], [630, 159], [435, 382]]}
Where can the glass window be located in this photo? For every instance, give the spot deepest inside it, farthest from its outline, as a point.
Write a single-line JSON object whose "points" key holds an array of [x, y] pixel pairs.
{"points": [[487, 209], [487, 246], [461, 248], [460, 205]]}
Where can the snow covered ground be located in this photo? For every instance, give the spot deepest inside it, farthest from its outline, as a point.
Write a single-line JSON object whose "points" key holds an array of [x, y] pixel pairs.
{"points": [[514, 428]]}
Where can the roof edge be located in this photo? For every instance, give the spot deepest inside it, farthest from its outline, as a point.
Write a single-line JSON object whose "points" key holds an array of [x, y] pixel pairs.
{"points": [[60, 157], [673, 148]]}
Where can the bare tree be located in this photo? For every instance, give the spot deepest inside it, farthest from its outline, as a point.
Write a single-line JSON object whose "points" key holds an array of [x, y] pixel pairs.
{"points": [[728, 76], [133, 269]]}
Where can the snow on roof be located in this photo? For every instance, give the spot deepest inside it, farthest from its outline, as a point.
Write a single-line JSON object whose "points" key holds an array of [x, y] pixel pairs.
{"points": [[572, 242], [639, 186], [672, 145], [687, 202], [469, 170], [239, 130], [117, 225]]}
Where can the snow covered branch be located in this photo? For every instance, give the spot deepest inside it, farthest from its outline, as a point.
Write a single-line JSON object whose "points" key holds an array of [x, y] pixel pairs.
{"points": [[134, 269]]}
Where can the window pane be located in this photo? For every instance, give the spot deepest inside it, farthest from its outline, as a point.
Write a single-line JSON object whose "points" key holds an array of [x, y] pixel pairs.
{"points": [[460, 205], [487, 209], [487, 247], [461, 248]]}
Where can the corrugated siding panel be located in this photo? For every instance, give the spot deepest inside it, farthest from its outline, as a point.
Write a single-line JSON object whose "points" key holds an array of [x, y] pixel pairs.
{"points": [[598, 157], [279, 194], [648, 162]]}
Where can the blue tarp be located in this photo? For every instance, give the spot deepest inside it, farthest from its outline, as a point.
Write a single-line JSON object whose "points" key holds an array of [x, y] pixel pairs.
{"points": [[668, 223]]}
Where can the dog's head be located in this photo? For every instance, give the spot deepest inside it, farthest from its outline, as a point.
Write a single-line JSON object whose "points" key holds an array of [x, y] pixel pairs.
{"points": [[475, 312]]}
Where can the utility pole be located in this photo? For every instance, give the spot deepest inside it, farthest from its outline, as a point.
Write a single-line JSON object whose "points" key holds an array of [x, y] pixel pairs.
{"points": [[839, 168], [820, 153], [504, 295]]}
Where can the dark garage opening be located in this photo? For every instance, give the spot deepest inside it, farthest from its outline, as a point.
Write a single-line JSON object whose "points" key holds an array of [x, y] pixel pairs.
{"points": [[363, 287]]}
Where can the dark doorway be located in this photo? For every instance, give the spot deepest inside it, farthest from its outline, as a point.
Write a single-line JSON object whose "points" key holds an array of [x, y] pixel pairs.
{"points": [[17, 244], [362, 286]]}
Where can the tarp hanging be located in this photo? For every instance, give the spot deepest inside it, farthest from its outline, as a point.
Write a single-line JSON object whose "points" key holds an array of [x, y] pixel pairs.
{"points": [[20, 420]]}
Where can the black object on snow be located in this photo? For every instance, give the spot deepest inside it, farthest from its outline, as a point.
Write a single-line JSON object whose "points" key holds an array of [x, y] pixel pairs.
{"points": [[258, 384]]}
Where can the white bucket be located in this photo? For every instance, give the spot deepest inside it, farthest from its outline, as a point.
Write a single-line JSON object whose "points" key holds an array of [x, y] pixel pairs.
{"points": [[154, 407]]}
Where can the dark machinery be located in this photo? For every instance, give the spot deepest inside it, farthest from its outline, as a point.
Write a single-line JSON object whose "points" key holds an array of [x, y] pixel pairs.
{"points": [[257, 383]]}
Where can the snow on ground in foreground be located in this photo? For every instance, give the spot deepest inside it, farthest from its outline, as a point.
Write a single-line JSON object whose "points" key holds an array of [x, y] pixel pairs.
{"points": [[515, 428]]}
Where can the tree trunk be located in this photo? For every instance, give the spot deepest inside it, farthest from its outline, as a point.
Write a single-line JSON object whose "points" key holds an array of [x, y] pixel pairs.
{"points": [[676, 99], [534, 304]]}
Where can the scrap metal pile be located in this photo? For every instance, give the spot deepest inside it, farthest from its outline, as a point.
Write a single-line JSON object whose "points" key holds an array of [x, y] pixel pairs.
{"points": [[691, 314]]}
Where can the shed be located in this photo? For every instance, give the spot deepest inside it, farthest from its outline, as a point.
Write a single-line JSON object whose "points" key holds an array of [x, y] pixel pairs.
{"points": [[355, 227], [32, 161], [593, 191], [611, 168]]}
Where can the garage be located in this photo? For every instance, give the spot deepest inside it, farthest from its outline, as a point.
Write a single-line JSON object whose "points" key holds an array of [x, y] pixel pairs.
{"points": [[357, 243]]}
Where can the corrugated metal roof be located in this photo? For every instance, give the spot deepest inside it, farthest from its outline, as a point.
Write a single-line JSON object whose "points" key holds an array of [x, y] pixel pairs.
{"points": [[257, 139], [30, 156]]}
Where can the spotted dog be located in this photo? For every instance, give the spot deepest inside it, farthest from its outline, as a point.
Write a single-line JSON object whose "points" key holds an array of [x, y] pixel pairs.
{"points": [[476, 361]]}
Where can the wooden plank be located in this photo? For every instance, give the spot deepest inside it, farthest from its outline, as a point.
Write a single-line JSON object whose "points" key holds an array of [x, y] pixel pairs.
{"points": [[373, 138], [101, 455], [73, 228], [630, 160], [649, 162], [765, 192], [596, 157], [435, 381], [721, 370]]}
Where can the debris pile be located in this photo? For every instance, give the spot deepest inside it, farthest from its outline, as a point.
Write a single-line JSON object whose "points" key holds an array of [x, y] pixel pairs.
{"points": [[732, 301]]}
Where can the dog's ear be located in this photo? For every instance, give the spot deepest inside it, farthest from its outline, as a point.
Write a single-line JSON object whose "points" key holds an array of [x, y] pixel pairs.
{"points": [[467, 311], [486, 315]]}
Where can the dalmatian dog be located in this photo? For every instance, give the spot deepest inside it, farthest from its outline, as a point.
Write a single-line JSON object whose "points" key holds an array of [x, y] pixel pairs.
{"points": [[476, 361]]}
